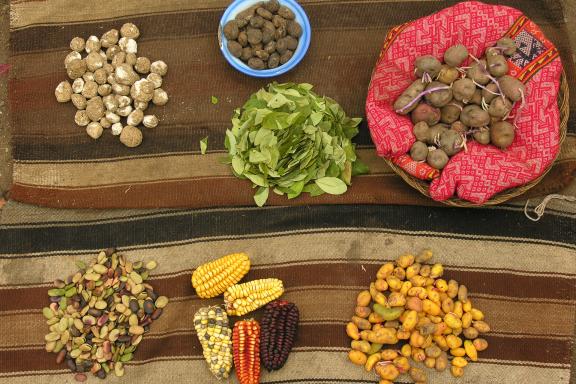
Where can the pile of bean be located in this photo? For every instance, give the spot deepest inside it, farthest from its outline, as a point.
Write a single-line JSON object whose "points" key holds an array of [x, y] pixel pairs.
{"points": [[449, 104], [97, 317], [420, 316], [109, 84], [264, 36]]}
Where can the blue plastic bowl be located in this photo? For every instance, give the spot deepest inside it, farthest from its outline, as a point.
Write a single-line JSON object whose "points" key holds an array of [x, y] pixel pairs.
{"points": [[303, 43]]}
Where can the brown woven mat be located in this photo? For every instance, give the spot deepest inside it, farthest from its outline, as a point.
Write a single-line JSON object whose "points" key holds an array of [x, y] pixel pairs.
{"points": [[57, 164]]}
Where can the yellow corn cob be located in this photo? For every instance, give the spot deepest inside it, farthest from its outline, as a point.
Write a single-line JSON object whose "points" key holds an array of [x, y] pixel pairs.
{"points": [[241, 299], [215, 335], [212, 279]]}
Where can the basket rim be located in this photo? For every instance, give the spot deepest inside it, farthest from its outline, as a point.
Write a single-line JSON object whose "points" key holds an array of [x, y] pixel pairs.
{"points": [[422, 186]]}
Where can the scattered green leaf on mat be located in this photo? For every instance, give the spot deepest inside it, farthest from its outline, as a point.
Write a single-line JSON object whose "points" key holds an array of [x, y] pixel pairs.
{"points": [[261, 196], [287, 139], [204, 145], [332, 185], [214, 100]]}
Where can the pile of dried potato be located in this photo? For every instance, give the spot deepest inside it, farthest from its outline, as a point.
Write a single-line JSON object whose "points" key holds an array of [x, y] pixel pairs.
{"points": [[430, 319], [109, 84]]}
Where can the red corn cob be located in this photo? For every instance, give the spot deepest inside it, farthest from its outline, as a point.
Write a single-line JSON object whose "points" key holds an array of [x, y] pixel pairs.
{"points": [[246, 342], [279, 327]]}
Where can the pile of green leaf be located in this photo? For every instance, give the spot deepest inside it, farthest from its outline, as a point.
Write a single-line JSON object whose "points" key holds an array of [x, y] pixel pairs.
{"points": [[289, 140]]}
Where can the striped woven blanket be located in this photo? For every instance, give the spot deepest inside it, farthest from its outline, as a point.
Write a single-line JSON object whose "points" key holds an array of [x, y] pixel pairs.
{"points": [[56, 164], [521, 274]]}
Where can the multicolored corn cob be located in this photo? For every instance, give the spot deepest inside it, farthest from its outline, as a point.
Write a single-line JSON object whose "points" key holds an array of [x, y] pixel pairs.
{"points": [[241, 299], [246, 341], [214, 333], [278, 333], [212, 279]]}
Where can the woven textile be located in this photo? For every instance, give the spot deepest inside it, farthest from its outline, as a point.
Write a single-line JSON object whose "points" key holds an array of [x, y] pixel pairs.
{"points": [[521, 274], [57, 164], [481, 171]]}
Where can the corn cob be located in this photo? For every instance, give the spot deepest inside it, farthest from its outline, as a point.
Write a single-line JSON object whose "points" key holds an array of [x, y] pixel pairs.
{"points": [[246, 341], [211, 324], [279, 327], [241, 299], [212, 279]]}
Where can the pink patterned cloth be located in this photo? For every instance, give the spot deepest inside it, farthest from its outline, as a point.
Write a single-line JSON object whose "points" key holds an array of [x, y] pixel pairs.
{"points": [[484, 170]]}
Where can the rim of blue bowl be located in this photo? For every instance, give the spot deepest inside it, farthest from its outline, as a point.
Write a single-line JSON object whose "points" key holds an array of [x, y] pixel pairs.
{"points": [[293, 62]]}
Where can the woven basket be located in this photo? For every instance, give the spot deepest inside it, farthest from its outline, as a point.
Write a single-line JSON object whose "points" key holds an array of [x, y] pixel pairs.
{"points": [[422, 186]]}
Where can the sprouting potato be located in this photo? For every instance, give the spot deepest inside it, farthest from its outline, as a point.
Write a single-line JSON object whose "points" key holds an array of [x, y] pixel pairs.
{"points": [[451, 143], [456, 55], [499, 107], [437, 159], [448, 74], [509, 44], [491, 93], [427, 113], [512, 87], [463, 90], [477, 98], [502, 134], [482, 136], [479, 73], [451, 113], [408, 96], [474, 116], [497, 65], [440, 97], [421, 131], [427, 64], [434, 134]]}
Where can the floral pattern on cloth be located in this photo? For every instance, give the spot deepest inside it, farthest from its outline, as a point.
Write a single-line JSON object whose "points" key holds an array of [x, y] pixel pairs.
{"points": [[483, 170]]}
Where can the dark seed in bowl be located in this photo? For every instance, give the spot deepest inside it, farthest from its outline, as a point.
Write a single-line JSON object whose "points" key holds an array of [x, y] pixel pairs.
{"points": [[263, 36], [256, 63], [235, 48], [231, 30], [266, 14], [286, 56], [272, 5], [286, 13]]}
